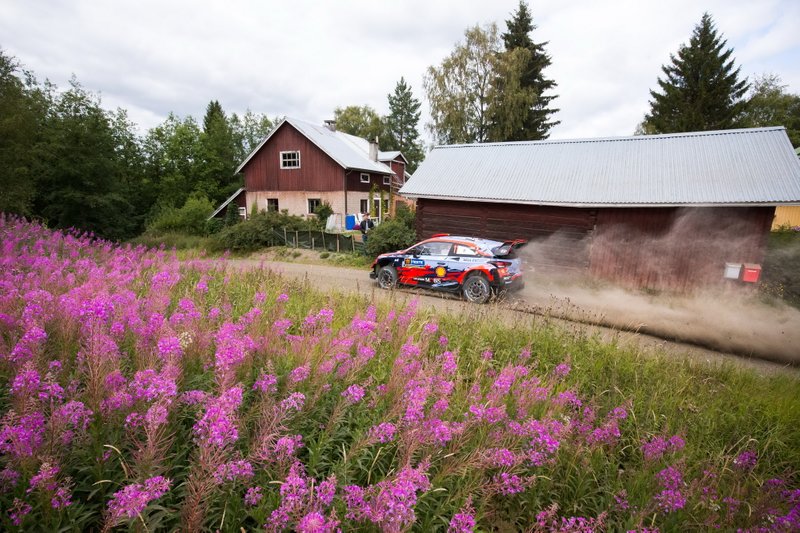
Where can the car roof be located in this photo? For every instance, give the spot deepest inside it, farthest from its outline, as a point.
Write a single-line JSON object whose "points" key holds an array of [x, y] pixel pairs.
{"points": [[484, 244]]}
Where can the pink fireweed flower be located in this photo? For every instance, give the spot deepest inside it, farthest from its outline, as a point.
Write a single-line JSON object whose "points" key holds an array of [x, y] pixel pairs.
{"points": [[464, 520], [18, 511], [487, 355], [509, 484], [300, 373], [430, 328], [24, 438], [217, 427], [233, 471], [286, 447], [353, 393], [656, 447], [170, 347], [8, 477], [61, 499], [443, 341], [281, 326], [253, 496], [45, 479], [266, 383], [449, 363], [27, 382], [202, 285], [148, 385], [568, 398], [383, 432], [326, 491], [232, 347], [283, 297], [501, 457], [562, 370], [30, 343], [315, 522], [294, 401], [132, 500], [746, 460]]}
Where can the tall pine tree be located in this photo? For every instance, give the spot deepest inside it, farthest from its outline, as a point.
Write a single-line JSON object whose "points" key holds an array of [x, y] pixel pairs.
{"points": [[401, 124], [701, 90], [526, 113]]}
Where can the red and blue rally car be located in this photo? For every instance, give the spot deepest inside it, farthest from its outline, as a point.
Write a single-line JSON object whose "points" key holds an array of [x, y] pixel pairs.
{"points": [[475, 267]]}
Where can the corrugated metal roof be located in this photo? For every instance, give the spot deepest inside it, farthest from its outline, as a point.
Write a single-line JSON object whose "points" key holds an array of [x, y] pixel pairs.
{"points": [[347, 150], [731, 167]]}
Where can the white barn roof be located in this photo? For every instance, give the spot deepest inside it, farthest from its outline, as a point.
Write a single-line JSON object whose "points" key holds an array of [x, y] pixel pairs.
{"points": [[347, 150], [732, 167]]}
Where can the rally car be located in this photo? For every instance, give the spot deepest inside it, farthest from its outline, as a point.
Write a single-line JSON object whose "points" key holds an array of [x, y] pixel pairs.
{"points": [[476, 268]]}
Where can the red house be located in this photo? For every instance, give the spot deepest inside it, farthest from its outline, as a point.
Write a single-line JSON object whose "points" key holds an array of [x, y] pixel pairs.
{"points": [[300, 165]]}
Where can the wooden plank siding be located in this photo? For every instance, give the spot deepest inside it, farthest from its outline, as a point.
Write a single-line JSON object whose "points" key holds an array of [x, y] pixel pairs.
{"points": [[676, 249], [317, 172]]}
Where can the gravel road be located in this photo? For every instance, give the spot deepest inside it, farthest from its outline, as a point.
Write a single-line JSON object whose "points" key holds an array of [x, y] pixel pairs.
{"points": [[711, 328]]}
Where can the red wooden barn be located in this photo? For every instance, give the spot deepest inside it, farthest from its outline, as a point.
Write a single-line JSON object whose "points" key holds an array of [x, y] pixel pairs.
{"points": [[300, 165], [657, 211]]}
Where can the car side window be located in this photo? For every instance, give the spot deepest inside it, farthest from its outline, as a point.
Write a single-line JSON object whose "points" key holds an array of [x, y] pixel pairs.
{"points": [[436, 248], [462, 250]]}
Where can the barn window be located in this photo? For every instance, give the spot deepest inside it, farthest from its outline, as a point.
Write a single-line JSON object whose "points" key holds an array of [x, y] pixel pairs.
{"points": [[387, 180], [364, 206], [272, 205], [290, 159], [313, 204], [243, 212], [364, 178]]}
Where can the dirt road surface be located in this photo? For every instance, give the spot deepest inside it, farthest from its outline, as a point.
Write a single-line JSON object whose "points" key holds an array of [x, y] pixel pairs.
{"points": [[710, 328]]}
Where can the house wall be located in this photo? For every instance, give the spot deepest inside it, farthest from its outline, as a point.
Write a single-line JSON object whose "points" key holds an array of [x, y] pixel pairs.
{"points": [[296, 202], [658, 248], [317, 172], [786, 215], [354, 181]]}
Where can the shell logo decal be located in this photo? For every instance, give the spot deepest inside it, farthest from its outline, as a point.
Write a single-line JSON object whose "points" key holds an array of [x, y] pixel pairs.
{"points": [[440, 271]]}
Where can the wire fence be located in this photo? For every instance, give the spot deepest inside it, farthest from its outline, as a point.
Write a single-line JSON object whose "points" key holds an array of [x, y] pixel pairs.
{"points": [[317, 240]]}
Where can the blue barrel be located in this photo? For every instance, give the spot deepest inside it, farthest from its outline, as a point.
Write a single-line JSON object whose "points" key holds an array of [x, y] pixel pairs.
{"points": [[350, 221]]}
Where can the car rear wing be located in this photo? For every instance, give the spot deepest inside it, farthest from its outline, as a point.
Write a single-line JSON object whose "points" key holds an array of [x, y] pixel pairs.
{"points": [[508, 248]]}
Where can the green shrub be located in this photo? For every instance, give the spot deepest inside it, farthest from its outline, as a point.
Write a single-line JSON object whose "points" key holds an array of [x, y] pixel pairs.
{"points": [[214, 225], [324, 255], [389, 236], [258, 231], [189, 219], [323, 211]]}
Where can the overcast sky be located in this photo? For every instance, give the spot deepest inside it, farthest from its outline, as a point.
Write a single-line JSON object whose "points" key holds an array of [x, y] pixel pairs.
{"points": [[302, 58]]}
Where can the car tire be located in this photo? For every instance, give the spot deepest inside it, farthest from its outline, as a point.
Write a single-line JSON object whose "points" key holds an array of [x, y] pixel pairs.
{"points": [[476, 289], [387, 277]]}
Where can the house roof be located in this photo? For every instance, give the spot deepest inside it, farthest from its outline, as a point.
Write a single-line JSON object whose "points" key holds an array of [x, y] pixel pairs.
{"points": [[732, 167], [226, 202], [348, 151]]}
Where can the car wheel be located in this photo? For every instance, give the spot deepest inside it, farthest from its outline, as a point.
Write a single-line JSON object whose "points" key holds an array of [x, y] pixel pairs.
{"points": [[387, 277], [476, 289]]}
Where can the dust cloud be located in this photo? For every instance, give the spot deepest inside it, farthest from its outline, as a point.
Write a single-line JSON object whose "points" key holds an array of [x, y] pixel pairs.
{"points": [[726, 316]]}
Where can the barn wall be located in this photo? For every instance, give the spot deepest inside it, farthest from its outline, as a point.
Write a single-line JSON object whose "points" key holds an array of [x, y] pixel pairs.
{"points": [[317, 172], [786, 216], [659, 248], [558, 237], [676, 248]]}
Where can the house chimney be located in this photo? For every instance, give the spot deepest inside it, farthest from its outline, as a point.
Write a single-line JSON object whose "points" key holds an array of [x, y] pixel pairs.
{"points": [[373, 150], [330, 124]]}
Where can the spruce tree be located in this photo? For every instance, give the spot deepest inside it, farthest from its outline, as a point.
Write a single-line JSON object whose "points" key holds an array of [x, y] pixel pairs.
{"points": [[531, 121], [401, 124], [701, 90]]}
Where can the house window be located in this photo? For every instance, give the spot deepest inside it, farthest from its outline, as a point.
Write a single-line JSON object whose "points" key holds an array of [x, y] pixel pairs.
{"points": [[387, 180], [243, 212], [364, 207], [364, 178], [313, 204], [290, 159], [272, 204]]}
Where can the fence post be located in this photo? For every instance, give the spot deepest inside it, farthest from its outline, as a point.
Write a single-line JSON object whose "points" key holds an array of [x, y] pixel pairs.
{"points": [[312, 243], [323, 241], [296, 239], [285, 240], [337, 243], [353, 243]]}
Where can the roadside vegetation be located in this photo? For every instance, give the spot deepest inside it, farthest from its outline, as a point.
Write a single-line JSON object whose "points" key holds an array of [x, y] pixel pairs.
{"points": [[782, 265], [143, 392]]}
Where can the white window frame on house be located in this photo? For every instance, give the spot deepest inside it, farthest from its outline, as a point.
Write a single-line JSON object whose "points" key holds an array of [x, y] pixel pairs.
{"points": [[364, 178], [290, 159], [243, 212], [308, 204], [387, 180], [363, 205], [277, 204]]}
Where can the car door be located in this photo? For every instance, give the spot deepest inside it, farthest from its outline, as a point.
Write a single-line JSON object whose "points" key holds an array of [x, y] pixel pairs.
{"points": [[463, 257], [435, 258]]}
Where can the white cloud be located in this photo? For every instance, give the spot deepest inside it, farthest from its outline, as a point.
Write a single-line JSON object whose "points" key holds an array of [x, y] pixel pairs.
{"points": [[304, 58]]}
